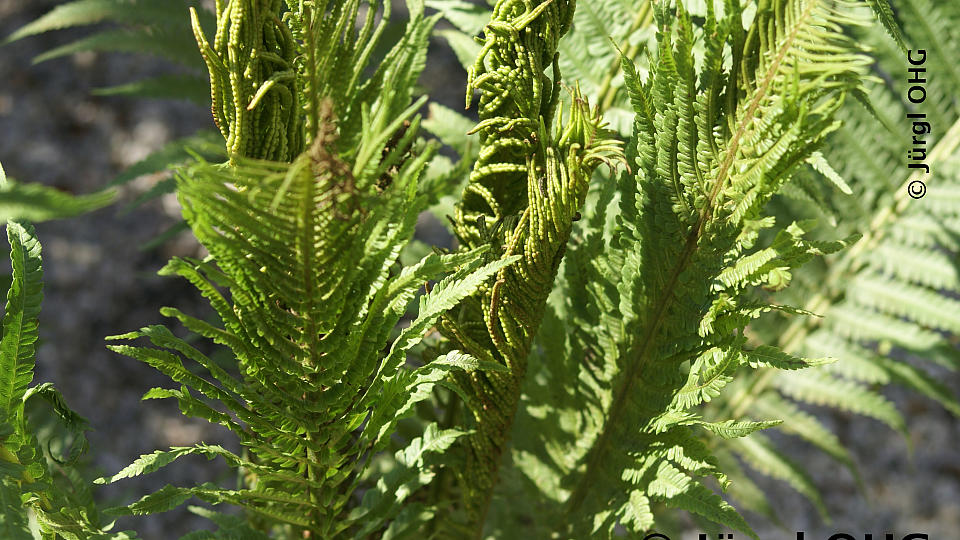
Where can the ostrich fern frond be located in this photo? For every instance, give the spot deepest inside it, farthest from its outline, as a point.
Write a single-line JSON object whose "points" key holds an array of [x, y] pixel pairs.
{"points": [[887, 304], [658, 299], [303, 275], [315, 395]]}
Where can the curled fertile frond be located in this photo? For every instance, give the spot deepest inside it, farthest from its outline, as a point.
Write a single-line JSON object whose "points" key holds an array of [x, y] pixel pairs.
{"points": [[524, 193], [253, 87]]}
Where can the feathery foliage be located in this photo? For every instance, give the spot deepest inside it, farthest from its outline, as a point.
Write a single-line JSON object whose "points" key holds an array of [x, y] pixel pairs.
{"points": [[588, 355], [304, 280], [886, 305], [31, 478], [35, 202], [649, 346], [863, 154]]}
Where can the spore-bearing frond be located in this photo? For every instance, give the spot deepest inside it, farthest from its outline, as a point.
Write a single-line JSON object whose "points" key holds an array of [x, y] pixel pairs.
{"points": [[525, 191], [253, 83], [517, 101]]}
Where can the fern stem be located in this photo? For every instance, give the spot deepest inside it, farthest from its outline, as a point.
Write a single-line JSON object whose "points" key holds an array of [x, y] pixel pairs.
{"points": [[311, 474], [443, 481], [313, 116]]}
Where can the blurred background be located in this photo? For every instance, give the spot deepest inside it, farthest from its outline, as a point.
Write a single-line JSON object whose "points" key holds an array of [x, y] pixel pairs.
{"points": [[99, 282]]}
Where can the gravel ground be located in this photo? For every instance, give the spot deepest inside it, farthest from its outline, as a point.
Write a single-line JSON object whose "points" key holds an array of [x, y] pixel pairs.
{"points": [[99, 283]]}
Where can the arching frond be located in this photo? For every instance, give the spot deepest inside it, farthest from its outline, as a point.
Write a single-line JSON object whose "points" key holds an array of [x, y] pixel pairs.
{"points": [[875, 299], [656, 302], [32, 476]]}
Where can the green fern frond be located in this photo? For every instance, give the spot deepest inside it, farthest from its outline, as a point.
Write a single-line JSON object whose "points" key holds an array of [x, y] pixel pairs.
{"points": [[884, 13], [806, 426], [863, 157], [306, 281], [20, 318], [413, 470], [305, 321], [685, 243], [35, 202], [654, 312], [763, 455], [32, 480], [876, 341]]}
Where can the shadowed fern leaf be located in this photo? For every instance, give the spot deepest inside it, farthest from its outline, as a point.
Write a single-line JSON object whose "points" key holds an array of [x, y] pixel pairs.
{"points": [[657, 300]]}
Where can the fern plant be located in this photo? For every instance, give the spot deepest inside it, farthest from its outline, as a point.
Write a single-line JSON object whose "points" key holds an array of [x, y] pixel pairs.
{"points": [[320, 387], [33, 477], [562, 373], [667, 287], [862, 154]]}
